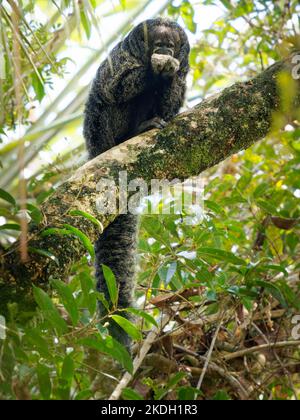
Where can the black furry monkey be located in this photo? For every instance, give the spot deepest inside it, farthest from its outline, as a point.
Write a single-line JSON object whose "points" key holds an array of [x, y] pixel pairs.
{"points": [[140, 86]]}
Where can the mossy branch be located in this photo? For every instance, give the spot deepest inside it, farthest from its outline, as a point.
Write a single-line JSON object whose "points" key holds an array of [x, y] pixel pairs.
{"points": [[193, 142]]}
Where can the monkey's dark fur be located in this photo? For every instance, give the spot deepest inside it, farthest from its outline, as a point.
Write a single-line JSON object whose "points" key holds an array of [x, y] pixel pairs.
{"points": [[131, 94]]}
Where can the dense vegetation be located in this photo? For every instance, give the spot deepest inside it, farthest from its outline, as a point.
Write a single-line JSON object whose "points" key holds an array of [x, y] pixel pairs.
{"points": [[228, 280]]}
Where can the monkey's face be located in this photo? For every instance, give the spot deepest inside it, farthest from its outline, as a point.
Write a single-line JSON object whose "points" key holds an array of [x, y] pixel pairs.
{"points": [[165, 41], [164, 50]]}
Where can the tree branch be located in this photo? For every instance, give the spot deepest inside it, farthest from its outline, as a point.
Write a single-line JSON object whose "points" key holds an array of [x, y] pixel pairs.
{"points": [[193, 142]]}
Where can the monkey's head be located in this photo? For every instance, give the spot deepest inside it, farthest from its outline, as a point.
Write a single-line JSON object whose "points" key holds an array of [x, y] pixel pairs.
{"points": [[164, 41], [154, 38]]}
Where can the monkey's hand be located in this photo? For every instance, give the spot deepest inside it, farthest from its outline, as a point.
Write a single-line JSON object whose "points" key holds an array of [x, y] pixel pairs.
{"points": [[155, 122], [164, 65]]}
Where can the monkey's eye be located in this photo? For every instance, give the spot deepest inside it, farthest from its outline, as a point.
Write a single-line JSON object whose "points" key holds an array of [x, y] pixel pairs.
{"points": [[159, 44]]}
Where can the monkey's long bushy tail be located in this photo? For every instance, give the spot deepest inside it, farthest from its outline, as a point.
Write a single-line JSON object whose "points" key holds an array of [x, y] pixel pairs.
{"points": [[116, 248]]}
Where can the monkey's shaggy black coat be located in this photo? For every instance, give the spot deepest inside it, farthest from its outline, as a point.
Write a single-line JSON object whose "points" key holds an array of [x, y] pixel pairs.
{"points": [[126, 94]]}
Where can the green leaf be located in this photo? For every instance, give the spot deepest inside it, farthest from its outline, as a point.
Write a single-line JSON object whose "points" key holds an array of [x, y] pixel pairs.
{"points": [[261, 190], [38, 86], [170, 385], [143, 315], [43, 253], [267, 207], [110, 347], [221, 255], [85, 23], [83, 238], [37, 342], [131, 394], [49, 310], [7, 197], [88, 217], [67, 300], [128, 327], [111, 284], [273, 267], [55, 231], [273, 290], [71, 230], [43, 374], [44, 195], [227, 4], [85, 394], [188, 393], [166, 274], [175, 379], [5, 213], [35, 213], [67, 371], [214, 207], [221, 396], [157, 231], [120, 353], [11, 226], [88, 290]]}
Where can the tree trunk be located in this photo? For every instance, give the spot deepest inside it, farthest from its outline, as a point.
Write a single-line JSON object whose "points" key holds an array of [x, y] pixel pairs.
{"points": [[193, 142]]}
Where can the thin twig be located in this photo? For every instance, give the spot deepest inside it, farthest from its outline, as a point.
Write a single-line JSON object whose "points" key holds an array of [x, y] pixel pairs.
{"points": [[262, 347], [235, 383], [209, 354], [286, 372]]}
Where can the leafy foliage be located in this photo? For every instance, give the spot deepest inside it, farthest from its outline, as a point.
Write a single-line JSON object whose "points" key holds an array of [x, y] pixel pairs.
{"points": [[239, 266]]}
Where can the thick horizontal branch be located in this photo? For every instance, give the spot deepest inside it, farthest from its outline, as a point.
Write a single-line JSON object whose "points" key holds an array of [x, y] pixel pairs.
{"points": [[193, 142]]}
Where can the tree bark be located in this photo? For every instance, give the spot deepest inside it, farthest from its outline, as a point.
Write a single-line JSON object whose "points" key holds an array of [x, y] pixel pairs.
{"points": [[193, 142]]}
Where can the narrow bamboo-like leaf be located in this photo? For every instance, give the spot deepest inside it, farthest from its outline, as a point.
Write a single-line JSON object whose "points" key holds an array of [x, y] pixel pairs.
{"points": [[71, 230], [55, 231], [88, 217], [43, 253], [83, 238], [85, 23]]}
